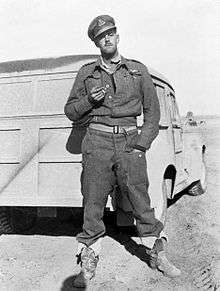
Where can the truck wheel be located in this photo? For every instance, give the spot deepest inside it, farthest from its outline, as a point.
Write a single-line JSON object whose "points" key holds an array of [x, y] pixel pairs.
{"points": [[195, 189], [5, 223], [22, 218]]}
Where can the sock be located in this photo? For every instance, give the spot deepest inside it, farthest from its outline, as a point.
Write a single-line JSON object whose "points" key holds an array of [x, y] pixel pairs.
{"points": [[80, 247], [96, 246]]}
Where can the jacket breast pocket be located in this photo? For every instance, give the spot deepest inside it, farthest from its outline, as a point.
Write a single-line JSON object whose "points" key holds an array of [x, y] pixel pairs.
{"points": [[133, 81]]}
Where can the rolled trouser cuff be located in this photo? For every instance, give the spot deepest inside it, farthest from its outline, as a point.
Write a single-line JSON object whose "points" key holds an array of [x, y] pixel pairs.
{"points": [[149, 241], [80, 247]]}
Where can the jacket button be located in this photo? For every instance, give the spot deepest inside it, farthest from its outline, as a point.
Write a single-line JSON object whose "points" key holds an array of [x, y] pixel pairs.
{"points": [[107, 86], [110, 97]]}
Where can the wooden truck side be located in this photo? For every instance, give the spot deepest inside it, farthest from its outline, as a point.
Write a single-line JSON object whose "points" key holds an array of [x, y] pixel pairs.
{"points": [[36, 170]]}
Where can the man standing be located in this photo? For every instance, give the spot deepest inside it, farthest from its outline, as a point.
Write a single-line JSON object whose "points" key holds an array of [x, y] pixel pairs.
{"points": [[112, 92]]}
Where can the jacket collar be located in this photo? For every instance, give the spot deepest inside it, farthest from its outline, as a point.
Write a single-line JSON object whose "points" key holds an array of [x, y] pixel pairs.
{"points": [[98, 64]]}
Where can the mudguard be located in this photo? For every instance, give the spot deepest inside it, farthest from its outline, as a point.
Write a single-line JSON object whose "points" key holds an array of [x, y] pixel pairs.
{"points": [[194, 157]]}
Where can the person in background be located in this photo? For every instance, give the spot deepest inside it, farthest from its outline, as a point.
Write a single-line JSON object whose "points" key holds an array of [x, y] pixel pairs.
{"points": [[111, 92]]}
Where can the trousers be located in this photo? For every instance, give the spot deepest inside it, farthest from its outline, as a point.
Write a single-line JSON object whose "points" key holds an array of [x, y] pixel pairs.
{"points": [[108, 160]]}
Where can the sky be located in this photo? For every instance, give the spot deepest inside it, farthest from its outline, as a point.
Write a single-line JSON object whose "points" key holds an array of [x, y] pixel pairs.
{"points": [[178, 38]]}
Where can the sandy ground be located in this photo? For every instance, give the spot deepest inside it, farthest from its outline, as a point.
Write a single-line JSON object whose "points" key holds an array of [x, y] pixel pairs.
{"points": [[44, 257]]}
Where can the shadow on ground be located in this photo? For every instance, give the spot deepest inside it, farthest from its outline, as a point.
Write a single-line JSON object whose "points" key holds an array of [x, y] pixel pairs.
{"points": [[68, 222], [68, 285]]}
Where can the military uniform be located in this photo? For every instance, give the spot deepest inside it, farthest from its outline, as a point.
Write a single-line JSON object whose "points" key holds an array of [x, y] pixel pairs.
{"points": [[113, 152], [108, 157]]}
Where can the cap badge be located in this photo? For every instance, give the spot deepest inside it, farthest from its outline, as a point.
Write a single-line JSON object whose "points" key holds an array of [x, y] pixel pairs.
{"points": [[101, 22]]}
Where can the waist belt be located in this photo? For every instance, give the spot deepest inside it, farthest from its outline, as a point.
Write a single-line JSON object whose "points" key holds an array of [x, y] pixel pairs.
{"points": [[113, 129]]}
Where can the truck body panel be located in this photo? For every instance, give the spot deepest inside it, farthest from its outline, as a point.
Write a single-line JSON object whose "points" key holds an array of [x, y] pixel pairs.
{"points": [[35, 167]]}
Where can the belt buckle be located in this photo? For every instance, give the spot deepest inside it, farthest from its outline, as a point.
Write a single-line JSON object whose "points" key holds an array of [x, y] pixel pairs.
{"points": [[116, 129]]}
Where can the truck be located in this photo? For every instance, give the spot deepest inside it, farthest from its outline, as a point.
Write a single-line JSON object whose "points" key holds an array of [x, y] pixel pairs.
{"points": [[37, 172]]}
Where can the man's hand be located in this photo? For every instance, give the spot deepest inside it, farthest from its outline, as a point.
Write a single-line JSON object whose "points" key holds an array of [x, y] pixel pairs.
{"points": [[97, 94]]}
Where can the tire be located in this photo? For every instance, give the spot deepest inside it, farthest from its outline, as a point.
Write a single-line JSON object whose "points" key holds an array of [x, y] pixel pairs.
{"points": [[195, 189], [5, 223]]}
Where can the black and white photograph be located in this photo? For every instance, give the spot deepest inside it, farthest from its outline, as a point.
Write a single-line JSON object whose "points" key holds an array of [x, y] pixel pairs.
{"points": [[109, 145]]}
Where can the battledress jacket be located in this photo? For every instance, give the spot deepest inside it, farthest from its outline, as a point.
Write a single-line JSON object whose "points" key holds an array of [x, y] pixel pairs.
{"points": [[129, 92]]}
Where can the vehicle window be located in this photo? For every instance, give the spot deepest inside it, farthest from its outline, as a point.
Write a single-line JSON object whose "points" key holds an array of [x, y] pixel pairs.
{"points": [[164, 121], [174, 112], [163, 108]]}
